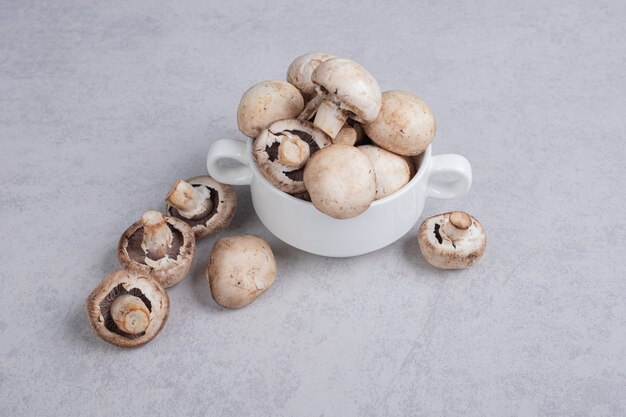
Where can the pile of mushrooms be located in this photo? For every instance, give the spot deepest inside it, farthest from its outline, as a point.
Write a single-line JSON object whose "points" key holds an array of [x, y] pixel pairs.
{"points": [[328, 134], [130, 307]]}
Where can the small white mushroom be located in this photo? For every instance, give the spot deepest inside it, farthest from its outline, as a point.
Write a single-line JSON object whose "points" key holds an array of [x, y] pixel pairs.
{"points": [[350, 134], [452, 240], [348, 90], [265, 103], [392, 171], [405, 125], [300, 71], [283, 149], [240, 269], [159, 246], [340, 180], [203, 203]]}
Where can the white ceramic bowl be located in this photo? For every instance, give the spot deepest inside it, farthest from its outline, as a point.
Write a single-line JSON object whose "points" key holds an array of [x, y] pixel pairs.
{"points": [[301, 225]]}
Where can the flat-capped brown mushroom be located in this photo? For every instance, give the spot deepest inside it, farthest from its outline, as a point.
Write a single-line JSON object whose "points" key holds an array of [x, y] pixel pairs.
{"points": [[348, 90], [392, 171], [240, 269], [300, 71], [203, 203], [282, 150], [405, 125], [128, 308], [266, 102], [160, 246], [452, 240], [340, 180]]}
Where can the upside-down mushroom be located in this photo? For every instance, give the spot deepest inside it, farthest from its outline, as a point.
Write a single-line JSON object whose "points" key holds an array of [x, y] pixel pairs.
{"points": [[160, 246], [452, 240], [283, 149], [203, 203], [128, 308]]}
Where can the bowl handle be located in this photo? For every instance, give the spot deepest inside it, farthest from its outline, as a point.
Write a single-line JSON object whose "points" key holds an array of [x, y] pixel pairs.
{"points": [[454, 165], [229, 150]]}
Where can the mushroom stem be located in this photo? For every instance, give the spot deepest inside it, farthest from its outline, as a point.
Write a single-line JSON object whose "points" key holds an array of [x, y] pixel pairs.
{"points": [[330, 118], [190, 201], [293, 152], [130, 314], [311, 107], [457, 225], [157, 236], [349, 135]]}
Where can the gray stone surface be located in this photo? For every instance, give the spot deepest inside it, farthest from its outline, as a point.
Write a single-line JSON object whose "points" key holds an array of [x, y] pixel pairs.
{"points": [[104, 104]]}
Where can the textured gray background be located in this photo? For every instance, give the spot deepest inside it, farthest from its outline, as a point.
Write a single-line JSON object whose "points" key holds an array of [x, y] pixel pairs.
{"points": [[103, 106]]}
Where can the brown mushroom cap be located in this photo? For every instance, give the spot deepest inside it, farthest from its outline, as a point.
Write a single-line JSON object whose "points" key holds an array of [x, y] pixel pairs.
{"points": [[405, 124], [126, 282], [300, 71], [220, 212], [266, 102], [392, 171], [168, 270], [340, 180], [240, 269], [266, 152], [453, 240]]}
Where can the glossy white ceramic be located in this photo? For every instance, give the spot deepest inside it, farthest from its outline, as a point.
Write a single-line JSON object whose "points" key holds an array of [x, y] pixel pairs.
{"points": [[301, 225]]}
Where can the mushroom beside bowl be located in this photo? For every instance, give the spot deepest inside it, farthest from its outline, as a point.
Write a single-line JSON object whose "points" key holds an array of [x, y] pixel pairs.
{"points": [[299, 224]]}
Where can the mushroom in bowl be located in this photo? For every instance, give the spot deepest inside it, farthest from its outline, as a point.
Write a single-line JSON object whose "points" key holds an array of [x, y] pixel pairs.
{"points": [[340, 181], [392, 171], [300, 71], [346, 90], [266, 102], [405, 124], [283, 149]]}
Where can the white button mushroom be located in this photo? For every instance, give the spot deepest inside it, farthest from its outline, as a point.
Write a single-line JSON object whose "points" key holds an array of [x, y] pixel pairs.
{"points": [[203, 203], [128, 308], [265, 103], [240, 269], [392, 171], [350, 134], [453, 240], [348, 90], [282, 150], [340, 180], [300, 71], [160, 246], [405, 125]]}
